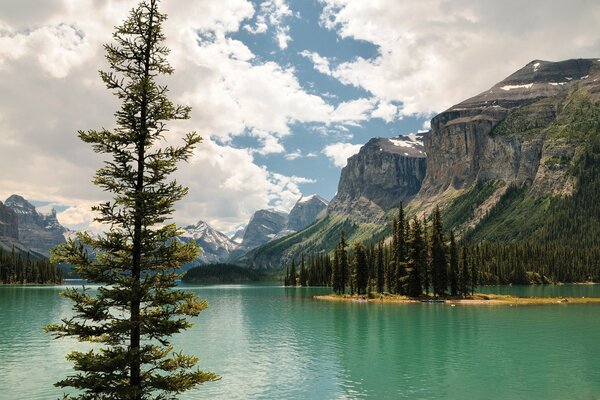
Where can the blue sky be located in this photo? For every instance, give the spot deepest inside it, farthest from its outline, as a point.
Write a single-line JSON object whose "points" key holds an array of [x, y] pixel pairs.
{"points": [[281, 90]]}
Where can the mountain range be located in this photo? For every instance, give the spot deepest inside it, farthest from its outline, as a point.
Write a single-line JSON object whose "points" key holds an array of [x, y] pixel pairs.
{"points": [[501, 165]]}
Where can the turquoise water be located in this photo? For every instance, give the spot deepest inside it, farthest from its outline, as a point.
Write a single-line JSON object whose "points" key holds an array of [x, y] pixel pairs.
{"points": [[270, 342]]}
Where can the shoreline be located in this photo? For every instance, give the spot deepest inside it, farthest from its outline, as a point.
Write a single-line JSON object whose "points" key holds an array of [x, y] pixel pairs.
{"points": [[476, 299]]}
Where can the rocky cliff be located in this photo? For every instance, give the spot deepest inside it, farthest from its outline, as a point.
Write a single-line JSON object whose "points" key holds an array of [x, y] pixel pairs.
{"points": [[504, 134], [38, 232], [262, 228], [9, 226], [305, 212], [384, 173]]}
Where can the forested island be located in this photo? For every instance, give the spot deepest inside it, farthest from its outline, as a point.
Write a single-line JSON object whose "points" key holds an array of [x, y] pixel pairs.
{"points": [[220, 273], [420, 261], [17, 268]]}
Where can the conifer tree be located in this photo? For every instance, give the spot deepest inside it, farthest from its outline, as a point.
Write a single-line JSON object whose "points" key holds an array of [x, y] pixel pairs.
{"points": [[417, 260], [439, 264], [454, 273], [303, 272], [137, 309], [361, 268], [345, 273], [336, 275], [465, 275], [293, 273], [379, 268]]}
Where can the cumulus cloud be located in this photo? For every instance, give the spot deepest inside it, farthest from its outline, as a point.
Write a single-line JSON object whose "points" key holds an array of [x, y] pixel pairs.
{"points": [[435, 53], [340, 152], [320, 63], [50, 89]]}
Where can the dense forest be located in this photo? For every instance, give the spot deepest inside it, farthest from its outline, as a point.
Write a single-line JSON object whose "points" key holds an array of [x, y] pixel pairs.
{"points": [[220, 273], [420, 258], [23, 269]]}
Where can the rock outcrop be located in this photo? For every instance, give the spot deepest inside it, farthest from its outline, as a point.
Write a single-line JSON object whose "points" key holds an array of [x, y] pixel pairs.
{"points": [[9, 225], [384, 173], [38, 232], [502, 134], [262, 228], [305, 212]]}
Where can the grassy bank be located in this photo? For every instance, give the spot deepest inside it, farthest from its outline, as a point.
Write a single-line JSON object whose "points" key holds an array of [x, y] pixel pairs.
{"points": [[476, 299]]}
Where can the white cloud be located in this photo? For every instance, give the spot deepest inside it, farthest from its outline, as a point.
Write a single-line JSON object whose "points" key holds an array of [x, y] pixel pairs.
{"points": [[385, 111], [340, 152], [273, 13], [293, 155], [435, 53], [320, 63]]}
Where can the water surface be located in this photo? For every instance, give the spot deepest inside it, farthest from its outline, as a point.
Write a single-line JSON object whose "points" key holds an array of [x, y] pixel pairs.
{"points": [[271, 342]]}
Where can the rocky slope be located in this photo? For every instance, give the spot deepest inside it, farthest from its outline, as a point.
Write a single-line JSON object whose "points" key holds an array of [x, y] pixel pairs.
{"points": [[215, 246], [262, 228], [38, 232], [503, 165], [9, 226], [502, 133], [384, 173], [305, 212]]}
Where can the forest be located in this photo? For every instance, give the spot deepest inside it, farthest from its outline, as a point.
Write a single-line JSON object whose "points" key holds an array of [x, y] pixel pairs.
{"points": [[17, 268]]}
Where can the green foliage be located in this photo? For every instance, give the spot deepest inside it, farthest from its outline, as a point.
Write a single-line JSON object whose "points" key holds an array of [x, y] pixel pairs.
{"points": [[221, 273], [137, 308], [18, 268], [461, 209], [530, 119]]}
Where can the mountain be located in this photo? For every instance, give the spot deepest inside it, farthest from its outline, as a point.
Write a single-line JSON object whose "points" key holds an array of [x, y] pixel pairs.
{"points": [[385, 172], [9, 233], [36, 231], [216, 246], [305, 212], [518, 162], [262, 228]]}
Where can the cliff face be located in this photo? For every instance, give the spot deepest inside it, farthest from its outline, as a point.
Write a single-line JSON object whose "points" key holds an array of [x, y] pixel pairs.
{"points": [[384, 173], [305, 212], [9, 226], [503, 133], [262, 228], [38, 232]]}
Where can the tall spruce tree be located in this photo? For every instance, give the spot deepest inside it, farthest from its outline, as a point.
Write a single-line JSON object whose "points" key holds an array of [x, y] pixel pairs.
{"points": [[465, 274], [379, 268], [292, 277], [361, 268], [439, 263], [137, 308], [417, 259], [345, 273], [454, 272]]}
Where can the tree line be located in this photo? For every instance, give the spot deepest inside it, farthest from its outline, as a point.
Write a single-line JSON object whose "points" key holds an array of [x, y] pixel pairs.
{"points": [[18, 268], [420, 258]]}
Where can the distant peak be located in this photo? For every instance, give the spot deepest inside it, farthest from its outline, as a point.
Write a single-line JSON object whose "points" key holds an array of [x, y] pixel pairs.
{"points": [[311, 197]]}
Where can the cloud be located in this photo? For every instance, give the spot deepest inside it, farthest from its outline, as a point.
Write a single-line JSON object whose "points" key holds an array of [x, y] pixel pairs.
{"points": [[435, 53], [293, 155], [273, 13], [320, 63], [340, 152]]}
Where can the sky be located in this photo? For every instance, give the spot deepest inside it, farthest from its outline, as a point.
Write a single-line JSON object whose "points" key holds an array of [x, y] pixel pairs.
{"points": [[282, 91]]}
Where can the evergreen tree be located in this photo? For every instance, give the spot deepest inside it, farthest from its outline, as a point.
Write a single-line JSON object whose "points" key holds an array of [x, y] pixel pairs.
{"points": [[303, 272], [400, 251], [293, 273], [138, 308], [345, 273], [417, 261], [426, 268], [379, 268], [454, 273], [439, 264], [361, 268], [336, 279], [474, 274], [465, 275]]}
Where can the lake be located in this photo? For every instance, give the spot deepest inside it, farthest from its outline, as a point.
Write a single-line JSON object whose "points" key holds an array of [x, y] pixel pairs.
{"points": [[271, 342]]}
